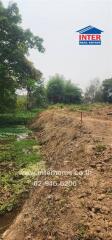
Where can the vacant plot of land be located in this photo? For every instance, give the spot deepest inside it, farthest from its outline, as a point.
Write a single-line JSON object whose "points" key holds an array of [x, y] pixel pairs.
{"points": [[75, 205]]}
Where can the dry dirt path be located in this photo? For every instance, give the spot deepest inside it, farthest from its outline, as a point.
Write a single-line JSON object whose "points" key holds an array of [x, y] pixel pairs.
{"points": [[100, 128]]}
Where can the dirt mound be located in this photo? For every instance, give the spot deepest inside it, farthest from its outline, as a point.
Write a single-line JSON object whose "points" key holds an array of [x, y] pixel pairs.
{"points": [[74, 202]]}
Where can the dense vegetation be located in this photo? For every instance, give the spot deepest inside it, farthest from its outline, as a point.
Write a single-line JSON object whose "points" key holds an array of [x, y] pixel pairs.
{"points": [[19, 154], [60, 90], [99, 92], [16, 71]]}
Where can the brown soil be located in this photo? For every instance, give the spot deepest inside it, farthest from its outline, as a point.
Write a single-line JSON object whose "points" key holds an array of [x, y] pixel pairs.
{"points": [[82, 211]]}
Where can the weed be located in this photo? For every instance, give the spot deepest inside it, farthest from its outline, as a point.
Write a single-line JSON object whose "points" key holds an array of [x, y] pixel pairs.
{"points": [[100, 148], [16, 153]]}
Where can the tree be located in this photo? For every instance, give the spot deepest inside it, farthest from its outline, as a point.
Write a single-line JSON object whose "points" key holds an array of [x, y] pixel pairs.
{"points": [[39, 98], [55, 89], [72, 94], [107, 90], [33, 77], [93, 91], [14, 48], [7, 91], [60, 90]]}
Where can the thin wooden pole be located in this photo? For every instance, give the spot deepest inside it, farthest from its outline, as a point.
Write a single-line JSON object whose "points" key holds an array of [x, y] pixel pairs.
{"points": [[81, 118]]}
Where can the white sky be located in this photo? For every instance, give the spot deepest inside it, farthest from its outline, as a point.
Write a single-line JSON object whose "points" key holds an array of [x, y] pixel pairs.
{"points": [[57, 21]]}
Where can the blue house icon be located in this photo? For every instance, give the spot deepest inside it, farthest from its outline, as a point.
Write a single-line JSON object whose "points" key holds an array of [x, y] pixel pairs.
{"points": [[90, 30], [90, 36]]}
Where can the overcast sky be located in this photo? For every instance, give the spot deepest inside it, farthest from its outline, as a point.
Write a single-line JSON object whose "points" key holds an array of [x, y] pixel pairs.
{"points": [[57, 21]]}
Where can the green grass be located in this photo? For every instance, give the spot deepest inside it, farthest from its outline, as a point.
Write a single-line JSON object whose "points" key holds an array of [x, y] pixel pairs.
{"points": [[86, 107], [24, 152], [16, 154], [13, 130], [14, 186], [79, 107], [20, 152], [18, 118]]}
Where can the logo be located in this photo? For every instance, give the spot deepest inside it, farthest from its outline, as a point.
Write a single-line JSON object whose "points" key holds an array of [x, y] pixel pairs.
{"points": [[90, 36]]}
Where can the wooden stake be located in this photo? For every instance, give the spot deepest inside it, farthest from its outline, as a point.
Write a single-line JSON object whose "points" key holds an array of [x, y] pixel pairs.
{"points": [[81, 118]]}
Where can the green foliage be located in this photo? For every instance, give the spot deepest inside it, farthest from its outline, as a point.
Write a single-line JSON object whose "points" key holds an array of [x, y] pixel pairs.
{"points": [[15, 69], [55, 89], [100, 147], [72, 94], [82, 229], [23, 152], [18, 118], [16, 155], [60, 90], [86, 107], [107, 90], [7, 91], [93, 92], [7, 132], [97, 92], [38, 96], [79, 107], [20, 151], [21, 104]]}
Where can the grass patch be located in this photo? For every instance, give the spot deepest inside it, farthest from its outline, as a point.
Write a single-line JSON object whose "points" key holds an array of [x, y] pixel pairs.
{"points": [[24, 152], [18, 118], [100, 148], [15, 156], [81, 231], [86, 107], [18, 150], [13, 186], [13, 130], [78, 107]]}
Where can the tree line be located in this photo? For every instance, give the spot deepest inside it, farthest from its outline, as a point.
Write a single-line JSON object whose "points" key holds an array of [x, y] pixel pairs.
{"points": [[99, 91], [17, 72], [60, 90]]}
